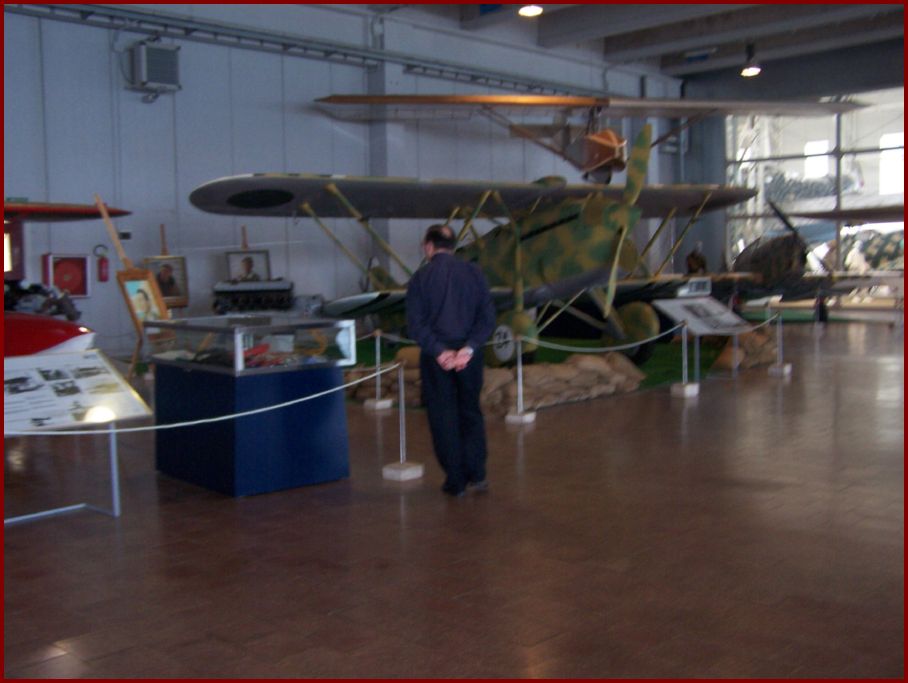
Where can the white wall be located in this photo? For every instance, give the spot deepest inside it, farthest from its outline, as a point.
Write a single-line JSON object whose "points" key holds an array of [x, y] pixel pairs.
{"points": [[72, 130]]}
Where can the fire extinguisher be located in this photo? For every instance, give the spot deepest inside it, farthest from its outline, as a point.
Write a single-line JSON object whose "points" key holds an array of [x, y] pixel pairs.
{"points": [[100, 251]]}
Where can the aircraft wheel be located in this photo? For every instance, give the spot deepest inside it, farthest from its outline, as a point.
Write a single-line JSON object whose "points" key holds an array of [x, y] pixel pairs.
{"points": [[502, 349]]}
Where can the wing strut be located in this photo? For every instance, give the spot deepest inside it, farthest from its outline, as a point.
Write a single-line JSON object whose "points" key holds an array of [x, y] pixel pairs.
{"points": [[468, 224], [690, 223], [652, 240], [523, 132], [340, 245], [518, 254], [385, 247]]}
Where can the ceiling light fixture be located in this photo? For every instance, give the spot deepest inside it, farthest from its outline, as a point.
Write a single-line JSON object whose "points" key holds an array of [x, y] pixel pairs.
{"points": [[530, 11], [751, 68]]}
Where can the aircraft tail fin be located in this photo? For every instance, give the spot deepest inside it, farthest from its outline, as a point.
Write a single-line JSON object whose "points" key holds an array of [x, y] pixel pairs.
{"points": [[637, 163]]}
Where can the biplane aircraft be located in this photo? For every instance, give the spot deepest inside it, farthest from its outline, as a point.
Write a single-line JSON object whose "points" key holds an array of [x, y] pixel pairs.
{"points": [[556, 242], [26, 333], [577, 133]]}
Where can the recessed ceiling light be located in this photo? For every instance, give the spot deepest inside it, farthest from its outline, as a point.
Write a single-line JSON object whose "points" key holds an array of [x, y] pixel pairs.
{"points": [[530, 11]]}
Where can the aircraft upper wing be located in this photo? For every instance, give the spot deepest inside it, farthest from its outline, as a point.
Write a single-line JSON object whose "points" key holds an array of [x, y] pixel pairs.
{"points": [[283, 194], [49, 211], [370, 107]]}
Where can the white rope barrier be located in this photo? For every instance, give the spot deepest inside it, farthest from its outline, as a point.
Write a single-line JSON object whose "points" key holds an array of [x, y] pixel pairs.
{"points": [[397, 338], [207, 420], [601, 349]]}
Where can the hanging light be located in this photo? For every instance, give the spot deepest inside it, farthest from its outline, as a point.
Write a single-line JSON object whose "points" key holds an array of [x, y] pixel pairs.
{"points": [[751, 68], [530, 11]]}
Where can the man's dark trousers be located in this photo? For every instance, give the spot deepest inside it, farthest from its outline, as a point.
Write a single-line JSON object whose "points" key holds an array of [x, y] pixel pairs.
{"points": [[455, 419]]}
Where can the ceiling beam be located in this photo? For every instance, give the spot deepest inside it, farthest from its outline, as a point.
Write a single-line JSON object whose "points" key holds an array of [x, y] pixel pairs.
{"points": [[793, 44], [729, 27], [592, 22], [474, 17]]}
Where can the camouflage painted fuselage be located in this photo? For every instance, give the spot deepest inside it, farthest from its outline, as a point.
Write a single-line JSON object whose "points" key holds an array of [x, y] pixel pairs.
{"points": [[570, 242]]}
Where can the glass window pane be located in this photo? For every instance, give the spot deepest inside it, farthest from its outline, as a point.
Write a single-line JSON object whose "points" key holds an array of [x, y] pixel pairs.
{"points": [[784, 159]]}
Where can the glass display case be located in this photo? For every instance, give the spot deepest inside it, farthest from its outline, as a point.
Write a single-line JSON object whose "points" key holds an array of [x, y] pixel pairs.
{"points": [[252, 344]]}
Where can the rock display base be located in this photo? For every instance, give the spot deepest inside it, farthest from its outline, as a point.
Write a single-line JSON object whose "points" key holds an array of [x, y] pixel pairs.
{"points": [[754, 348]]}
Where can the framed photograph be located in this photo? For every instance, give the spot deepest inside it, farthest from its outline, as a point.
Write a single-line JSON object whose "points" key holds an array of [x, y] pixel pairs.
{"points": [[172, 279], [248, 266], [67, 272], [143, 298]]}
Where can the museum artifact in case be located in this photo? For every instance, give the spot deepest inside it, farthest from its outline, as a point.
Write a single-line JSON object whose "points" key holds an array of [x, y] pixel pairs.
{"points": [[260, 369], [253, 343]]}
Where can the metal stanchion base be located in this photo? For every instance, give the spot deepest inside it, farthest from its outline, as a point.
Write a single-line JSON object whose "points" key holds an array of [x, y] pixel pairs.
{"points": [[783, 370], [58, 511], [403, 471], [378, 403], [686, 390], [520, 418]]}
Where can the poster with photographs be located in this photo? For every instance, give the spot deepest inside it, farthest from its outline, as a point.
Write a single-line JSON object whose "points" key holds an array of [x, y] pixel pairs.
{"points": [[54, 390]]}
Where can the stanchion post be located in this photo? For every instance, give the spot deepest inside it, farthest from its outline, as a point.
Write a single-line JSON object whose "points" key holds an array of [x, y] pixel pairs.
{"points": [[114, 472], [779, 354], [781, 368], [684, 352], [697, 358], [520, 417], [402, 412], [402, 470], [378, 403], [685, 389], [377, 365], [519, 375]]}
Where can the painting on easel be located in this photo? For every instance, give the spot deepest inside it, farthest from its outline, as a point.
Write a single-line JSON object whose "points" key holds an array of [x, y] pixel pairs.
{"points": [[143, 298], [173, 282], [140, 290]]}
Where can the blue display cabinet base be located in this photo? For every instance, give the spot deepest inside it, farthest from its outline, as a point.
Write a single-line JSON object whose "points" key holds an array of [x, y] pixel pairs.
{"points": [[279, 449]]}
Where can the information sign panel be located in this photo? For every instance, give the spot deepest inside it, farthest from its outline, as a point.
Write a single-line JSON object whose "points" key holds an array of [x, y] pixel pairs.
{"points": [[54, 390], [703, 315]]}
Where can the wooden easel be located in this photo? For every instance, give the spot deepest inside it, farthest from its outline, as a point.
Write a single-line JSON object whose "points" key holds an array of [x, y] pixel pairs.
{"points": [[130, 270]]}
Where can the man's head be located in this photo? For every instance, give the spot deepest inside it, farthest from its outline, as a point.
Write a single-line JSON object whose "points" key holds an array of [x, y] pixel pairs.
{"points": [[247, 264], [166, 270], [438, 238]]}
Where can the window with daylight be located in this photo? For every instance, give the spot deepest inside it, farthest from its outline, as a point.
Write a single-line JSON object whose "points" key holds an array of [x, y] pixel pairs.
{"points": [[892, 163], [816, 166], [820, 163]]}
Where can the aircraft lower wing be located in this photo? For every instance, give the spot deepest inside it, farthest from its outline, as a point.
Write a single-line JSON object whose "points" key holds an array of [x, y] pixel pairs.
{"points": [[798, 287], [284, 195], [627, 290], [858, 215]]}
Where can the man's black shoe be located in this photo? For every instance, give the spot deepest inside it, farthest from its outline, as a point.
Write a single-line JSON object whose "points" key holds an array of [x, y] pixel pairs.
{"points": [[478, 486], [454, 493]]}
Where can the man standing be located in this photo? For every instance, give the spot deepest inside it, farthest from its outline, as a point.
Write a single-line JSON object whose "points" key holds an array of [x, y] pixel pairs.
{"points": [[696, 261], [450, 315]]}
